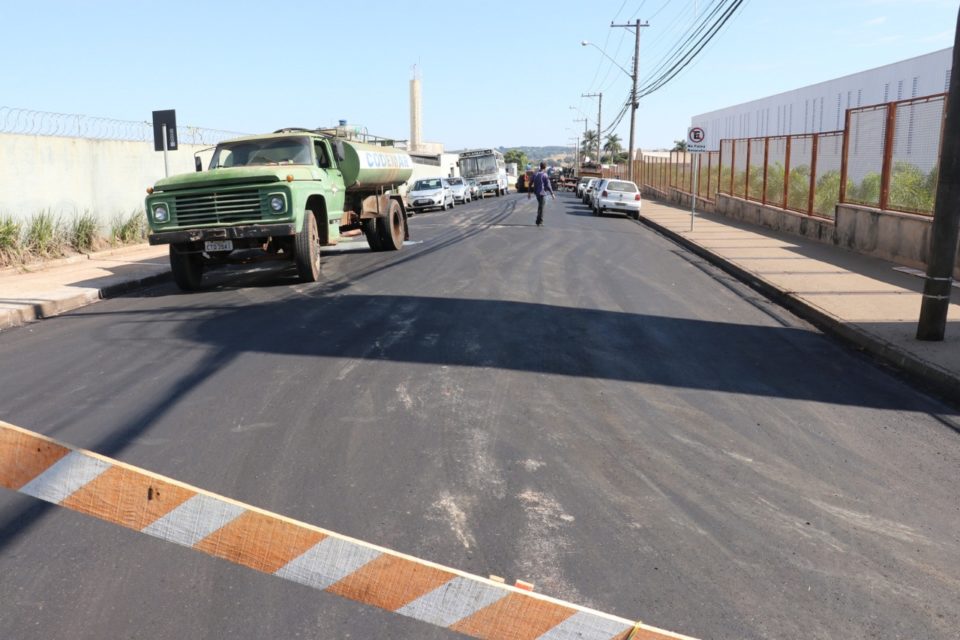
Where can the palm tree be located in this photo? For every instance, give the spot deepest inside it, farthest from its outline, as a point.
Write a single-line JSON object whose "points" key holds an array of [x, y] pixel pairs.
{"points": [[589, 142], [612, 146]]}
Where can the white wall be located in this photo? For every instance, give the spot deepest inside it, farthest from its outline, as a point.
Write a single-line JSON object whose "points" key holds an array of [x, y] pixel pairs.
{"points": [[77, 175], [822, 107]]}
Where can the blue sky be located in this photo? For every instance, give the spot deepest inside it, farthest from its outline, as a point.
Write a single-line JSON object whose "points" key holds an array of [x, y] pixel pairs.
{"points": [[494, 73]]}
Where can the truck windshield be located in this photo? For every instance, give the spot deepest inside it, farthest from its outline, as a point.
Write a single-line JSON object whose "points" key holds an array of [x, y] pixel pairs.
{"points": [[426, 185], [270, 151], [478, 166]]}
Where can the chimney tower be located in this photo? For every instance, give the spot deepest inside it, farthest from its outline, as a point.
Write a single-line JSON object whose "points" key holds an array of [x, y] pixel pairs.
{"points": [[415, 117]]}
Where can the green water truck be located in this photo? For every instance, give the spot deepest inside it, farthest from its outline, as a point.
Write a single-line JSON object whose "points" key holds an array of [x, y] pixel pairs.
{"points": [[280, 196]]}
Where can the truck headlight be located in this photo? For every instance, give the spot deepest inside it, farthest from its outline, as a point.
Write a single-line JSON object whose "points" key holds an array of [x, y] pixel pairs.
{"points": [[277, 204], [160, 213]]}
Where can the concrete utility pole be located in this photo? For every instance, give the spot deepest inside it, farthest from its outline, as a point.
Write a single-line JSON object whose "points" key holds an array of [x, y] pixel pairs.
{"points": [[599, 114], [584, 121], [946, 216], [634, 100]]}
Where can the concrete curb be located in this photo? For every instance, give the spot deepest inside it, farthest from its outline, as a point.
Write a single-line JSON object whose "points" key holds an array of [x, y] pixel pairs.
{"points": [[34, 267], [943, 382], [41, 309]]}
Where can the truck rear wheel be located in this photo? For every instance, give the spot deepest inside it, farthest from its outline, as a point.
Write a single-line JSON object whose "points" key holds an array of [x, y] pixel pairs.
{"points": [[390, 228], [372, 234], [187, 268], [306, 249]]}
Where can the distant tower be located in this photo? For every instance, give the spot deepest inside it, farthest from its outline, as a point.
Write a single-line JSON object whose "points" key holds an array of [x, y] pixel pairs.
{"points": [[415, 139]]}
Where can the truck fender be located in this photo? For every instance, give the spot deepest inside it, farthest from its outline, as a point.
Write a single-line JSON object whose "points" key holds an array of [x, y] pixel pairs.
{"points": [[375, 206]]}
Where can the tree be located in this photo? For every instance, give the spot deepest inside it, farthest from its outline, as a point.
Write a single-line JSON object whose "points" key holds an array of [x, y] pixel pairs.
{"points": [[612, 146], [589, 143], [679, 145], [518, 156]]}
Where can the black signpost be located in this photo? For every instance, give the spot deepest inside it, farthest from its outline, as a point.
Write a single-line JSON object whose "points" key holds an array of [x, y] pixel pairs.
{"points": [[165, 134]]}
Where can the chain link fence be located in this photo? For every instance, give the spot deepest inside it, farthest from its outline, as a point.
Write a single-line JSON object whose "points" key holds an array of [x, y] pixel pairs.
{"points": [[886, 157], [71, 125]]}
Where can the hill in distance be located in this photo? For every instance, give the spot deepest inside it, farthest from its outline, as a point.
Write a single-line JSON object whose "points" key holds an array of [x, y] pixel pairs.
{"points": [[536, 154]]}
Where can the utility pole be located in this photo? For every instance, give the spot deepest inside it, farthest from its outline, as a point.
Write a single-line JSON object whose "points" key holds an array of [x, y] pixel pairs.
{"points": [[946, 216], [584, 121], [599, 114], [634, 101]]}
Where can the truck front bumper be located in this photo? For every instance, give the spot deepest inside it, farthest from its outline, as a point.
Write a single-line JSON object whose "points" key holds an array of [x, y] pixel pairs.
{"points": [[223, 233]]}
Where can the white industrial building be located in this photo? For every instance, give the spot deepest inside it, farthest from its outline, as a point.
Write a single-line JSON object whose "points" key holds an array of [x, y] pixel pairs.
{"points": [[821, 107]]}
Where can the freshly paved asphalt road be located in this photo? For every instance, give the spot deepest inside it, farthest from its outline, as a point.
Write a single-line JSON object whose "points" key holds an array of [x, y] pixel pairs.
{"points": [[585, 406]]}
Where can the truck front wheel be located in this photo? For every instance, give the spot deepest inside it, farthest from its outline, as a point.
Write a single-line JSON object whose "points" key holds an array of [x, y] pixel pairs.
{"points": [[390, 228], [306, 250], [187, 268]]}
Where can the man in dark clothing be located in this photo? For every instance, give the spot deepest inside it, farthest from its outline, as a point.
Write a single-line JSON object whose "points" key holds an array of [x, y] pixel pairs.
{"points": [[541, 184]]}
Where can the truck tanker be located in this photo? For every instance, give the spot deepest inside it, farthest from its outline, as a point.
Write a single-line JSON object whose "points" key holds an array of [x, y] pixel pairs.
{"points": [[279, 196]]}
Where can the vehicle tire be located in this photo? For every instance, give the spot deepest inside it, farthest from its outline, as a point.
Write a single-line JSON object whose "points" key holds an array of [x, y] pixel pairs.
{"points": [[390, 228], [306, 249], [187, 269], [370, 232]]}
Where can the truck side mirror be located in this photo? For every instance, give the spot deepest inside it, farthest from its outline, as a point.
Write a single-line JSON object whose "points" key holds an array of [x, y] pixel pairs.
{"points": [[198, 163], [338, 148]]}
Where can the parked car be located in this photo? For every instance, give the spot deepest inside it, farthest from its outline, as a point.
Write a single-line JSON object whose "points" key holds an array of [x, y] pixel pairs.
{"points": [[595, 193], [474, 188], [587, 189], [618, 195], [430, 193], [581, 185], [461, 193]]}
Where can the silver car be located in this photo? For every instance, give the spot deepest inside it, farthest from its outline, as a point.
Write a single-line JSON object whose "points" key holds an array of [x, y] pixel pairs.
{"points": [[587, 189], [461, 191], [474, 188], [430, 193]]}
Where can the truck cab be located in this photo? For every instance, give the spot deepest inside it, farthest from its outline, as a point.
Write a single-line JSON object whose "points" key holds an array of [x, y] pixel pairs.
{"points": [[282, 196]]}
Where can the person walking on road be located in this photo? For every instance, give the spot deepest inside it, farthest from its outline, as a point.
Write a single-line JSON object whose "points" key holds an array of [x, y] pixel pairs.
{"points": [[541, 184]]}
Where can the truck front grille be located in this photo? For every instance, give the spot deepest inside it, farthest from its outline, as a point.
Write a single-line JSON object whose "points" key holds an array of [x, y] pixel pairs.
{"points": [[218, 208]]}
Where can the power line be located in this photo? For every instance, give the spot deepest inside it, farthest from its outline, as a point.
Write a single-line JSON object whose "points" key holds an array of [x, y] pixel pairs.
{"points": [[684, 59]]}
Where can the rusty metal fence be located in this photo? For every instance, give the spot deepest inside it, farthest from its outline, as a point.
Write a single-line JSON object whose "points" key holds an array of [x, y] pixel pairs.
{"points": [[675, 170], [886, 157]]}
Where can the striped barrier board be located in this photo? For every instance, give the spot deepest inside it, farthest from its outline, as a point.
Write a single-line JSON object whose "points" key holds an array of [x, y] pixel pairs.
{"points": [[176, 512]]}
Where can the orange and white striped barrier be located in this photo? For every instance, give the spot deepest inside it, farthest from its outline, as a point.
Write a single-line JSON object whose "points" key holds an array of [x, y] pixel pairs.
{"points": [[173, 511]]}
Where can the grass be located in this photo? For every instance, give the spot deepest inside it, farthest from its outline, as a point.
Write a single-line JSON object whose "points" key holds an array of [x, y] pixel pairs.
{"points": [[129, 229], [83, 232], [46, 235], [10, 232]]}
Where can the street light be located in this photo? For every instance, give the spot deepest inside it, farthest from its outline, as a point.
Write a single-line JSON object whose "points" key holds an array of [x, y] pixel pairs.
{"points": [[587, 43], [632, 76]]}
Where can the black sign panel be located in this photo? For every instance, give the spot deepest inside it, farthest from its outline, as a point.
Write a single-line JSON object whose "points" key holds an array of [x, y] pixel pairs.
{"points": [[167, 117]]}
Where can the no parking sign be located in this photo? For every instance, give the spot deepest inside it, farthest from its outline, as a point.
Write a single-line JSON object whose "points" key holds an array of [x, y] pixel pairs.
{"points": [[696, 140]]}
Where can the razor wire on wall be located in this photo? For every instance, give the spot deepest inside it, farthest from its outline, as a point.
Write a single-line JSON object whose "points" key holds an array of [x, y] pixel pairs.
{"points": [[70, 125]]}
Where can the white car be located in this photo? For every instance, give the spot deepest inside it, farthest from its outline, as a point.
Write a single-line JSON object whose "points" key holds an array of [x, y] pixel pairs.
{"points": [[461, 190], [430, 193], [618, 195], [587, 189], [581, 185], [595, 193], [474, 188]]}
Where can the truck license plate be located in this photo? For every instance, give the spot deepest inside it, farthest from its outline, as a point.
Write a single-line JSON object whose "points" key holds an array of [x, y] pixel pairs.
{"points": [[218, 245]]}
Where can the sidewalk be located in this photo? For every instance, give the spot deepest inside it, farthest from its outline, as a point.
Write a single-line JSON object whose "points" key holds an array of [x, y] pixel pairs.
{"points": [[872, 303], [51, 288]]}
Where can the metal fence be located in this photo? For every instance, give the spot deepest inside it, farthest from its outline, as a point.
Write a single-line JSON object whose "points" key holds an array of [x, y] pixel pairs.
{"points": [[70, 125], [887, 157], [674, 171]]}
